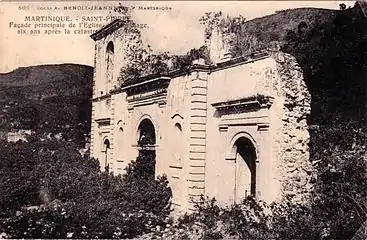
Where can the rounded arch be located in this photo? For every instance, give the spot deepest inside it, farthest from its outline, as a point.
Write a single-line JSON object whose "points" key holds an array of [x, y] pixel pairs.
{"points": [[243, 151], [110, 52], [141, 119], [146, 132], [106, 152], [178, 127], [177, 116], [177, 143], [110, 47], [120, 125], [106, 143], [232, 147], [177, 119]]}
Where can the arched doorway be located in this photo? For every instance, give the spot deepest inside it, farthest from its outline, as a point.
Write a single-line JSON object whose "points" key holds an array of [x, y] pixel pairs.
{"points": [[146, 146], [106, 151], [245, 165]]}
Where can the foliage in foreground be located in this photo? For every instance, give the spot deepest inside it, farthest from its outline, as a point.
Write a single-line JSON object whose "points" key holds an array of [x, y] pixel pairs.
{"points": [[337, 208], [49, 190]]}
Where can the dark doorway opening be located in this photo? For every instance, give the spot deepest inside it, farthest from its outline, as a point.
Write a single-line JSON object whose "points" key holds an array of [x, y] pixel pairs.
{"points": [[147, 148], [106, 151], [245, 169]]}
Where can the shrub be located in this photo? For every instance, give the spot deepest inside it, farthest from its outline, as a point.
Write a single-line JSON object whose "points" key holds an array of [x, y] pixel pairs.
{"points": [[341, 177], [54, 192], [50, 191], [293, 221], [247, 220], [337, 208]]}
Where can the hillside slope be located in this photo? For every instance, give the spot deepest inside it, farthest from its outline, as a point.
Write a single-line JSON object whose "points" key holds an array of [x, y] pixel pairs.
{"points": [[331, 48], [333, 56], [274, 27], [48, 99]]}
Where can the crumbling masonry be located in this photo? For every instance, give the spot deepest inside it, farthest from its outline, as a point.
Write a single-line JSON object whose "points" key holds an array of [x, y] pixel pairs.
{"points": [[228, 129]]}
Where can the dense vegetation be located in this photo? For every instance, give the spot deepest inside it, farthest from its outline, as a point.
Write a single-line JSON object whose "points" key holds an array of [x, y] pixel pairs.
{"points": [[48, 190], [337, 208], [333, 58], [55, 192]]}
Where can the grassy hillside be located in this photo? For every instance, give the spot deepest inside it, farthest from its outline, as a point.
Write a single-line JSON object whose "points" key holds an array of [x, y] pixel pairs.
{"points": [[275, 27], [330, 46], [47, 98], [333, 56]]}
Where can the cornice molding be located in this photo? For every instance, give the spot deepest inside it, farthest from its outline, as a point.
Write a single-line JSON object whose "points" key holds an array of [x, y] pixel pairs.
{"points": [[257, 101], [103, 121], [146, 86], [108, 29], [148, 92]]}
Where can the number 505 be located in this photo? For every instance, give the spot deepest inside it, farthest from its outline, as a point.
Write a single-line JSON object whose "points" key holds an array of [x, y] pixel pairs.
{"points": [[22, 7]]}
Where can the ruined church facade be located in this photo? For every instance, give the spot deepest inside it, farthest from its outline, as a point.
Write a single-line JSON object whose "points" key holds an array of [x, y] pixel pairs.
{"points": [[229, 129]]}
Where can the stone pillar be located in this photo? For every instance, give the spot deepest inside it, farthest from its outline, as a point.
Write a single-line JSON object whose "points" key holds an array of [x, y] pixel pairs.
{"points": [[112, 157], [94, 92], [197, 134]]}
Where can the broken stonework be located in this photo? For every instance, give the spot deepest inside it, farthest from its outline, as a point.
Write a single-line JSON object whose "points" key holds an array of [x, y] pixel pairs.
{"points": [[229, 129], [294, 167]]}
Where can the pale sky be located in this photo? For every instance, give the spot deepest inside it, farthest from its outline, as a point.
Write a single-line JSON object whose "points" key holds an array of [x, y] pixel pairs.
{"points": [[177, 30]]}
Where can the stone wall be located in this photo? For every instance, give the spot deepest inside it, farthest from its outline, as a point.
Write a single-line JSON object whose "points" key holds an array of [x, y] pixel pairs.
{"points": [[294, 167], [278, 131]]}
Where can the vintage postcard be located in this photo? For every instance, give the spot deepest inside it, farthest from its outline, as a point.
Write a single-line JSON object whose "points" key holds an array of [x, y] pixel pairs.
{"points": [[183, 119]]}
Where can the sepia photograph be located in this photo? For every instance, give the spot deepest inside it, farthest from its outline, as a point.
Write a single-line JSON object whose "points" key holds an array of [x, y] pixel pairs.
{"points": [[183, 120]]}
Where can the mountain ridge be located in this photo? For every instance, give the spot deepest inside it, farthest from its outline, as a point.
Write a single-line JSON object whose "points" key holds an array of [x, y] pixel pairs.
{"points": [[48, 98]]}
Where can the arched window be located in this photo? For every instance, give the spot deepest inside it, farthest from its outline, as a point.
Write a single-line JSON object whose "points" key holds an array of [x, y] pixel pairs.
{"points": [[178, 128], [110, 51], [120, 125], [106, 143], [178, 143], [106, 150], [119, 140], [146, 133]]}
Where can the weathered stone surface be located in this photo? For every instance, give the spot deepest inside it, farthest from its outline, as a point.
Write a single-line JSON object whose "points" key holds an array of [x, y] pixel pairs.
{"points": [[259, 106], [294, 166]]}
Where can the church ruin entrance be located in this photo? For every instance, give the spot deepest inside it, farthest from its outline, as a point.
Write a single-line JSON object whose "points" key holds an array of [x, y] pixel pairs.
{"points": [[245, 169], [147, 147]]}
